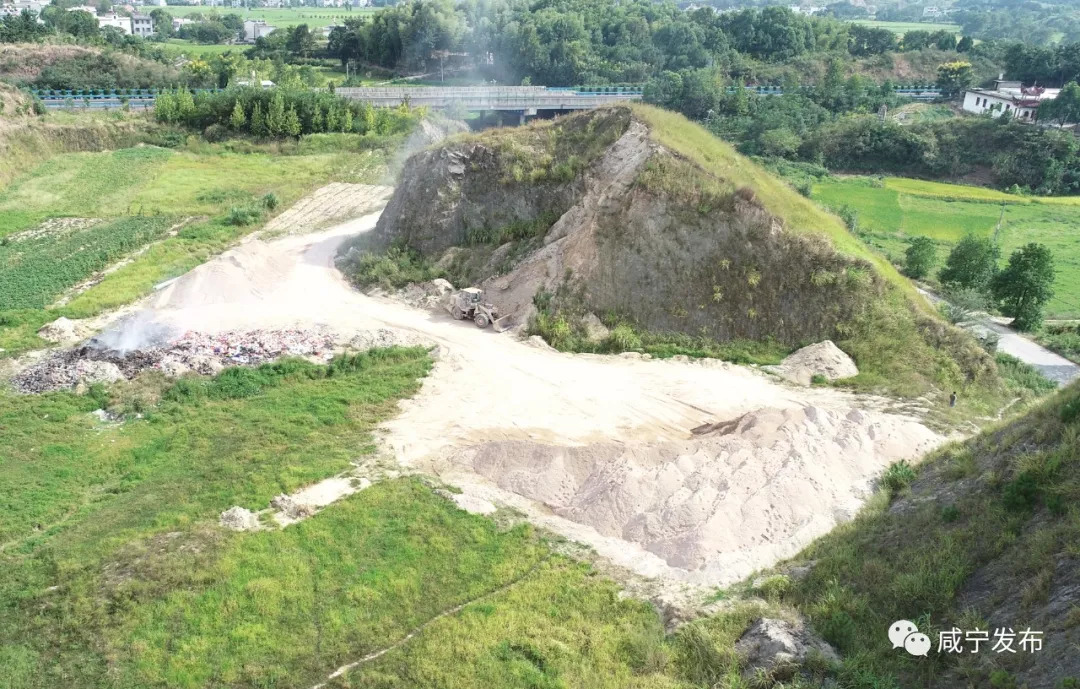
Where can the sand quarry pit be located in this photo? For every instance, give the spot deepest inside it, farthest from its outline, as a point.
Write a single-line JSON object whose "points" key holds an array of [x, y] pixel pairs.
{"points": [[598, 448]]}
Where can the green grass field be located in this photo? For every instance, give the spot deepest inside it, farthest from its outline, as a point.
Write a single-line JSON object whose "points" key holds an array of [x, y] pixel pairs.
{"points": [[893, 210], [179, 46], [901, 28]]}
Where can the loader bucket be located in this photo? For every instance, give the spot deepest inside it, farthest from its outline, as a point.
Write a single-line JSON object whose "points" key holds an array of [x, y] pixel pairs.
{"points": [[504, 323]]}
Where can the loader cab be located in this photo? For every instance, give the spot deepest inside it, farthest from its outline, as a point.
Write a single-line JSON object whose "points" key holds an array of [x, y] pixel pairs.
{"points": [[472, 295]]}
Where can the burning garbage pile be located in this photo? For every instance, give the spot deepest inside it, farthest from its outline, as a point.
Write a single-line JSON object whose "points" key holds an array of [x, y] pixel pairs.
{"points": [[201, 353]]}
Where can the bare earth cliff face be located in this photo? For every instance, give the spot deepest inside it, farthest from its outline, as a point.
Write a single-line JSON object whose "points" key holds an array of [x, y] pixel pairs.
{"points": [[628, 227]]}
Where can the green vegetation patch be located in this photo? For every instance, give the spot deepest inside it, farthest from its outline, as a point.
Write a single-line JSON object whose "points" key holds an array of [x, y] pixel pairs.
{"points": [[889, 213], [36, 269], [76, 213], [1062, 338], [86, 185]]}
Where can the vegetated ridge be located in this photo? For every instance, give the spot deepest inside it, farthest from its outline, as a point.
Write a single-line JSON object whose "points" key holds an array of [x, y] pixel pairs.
{"points": [[640, 216], [983, 535]]}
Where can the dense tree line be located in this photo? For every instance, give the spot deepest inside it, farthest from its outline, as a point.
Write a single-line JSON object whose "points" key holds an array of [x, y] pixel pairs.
{"points": [[572, 42], [278, 112], [1049, 164]]}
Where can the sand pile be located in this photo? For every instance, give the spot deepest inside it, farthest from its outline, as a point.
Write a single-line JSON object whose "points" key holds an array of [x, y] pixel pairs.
{"points": [[821, 359], [719, 505], [249, 272]]}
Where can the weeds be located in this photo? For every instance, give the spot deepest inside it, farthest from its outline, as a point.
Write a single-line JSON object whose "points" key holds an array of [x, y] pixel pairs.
{"points": [[391, 270]]}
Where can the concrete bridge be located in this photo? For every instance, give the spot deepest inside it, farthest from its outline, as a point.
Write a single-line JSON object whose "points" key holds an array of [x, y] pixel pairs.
{"points": [[523, 100]]}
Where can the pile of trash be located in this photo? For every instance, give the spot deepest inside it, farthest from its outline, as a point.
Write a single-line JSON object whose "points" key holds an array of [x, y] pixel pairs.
{"points": [[192, 352]]}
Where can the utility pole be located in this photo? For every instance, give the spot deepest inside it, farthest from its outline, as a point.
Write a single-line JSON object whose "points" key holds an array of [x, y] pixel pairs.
{"points": [[997, 228]]}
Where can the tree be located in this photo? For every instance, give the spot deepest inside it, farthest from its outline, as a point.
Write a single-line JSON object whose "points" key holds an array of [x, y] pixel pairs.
{"points": [[300, 41], [954, 78], [1065, 108], [258, 122], [965, 45], [943, 40], [275, 115], [919, 257], [237, 120], [916, 40], [162, 22], [185, 104], [291, 123], [1026, 284], [165, 107], [972, 263], [77, 23], [22, 28]]}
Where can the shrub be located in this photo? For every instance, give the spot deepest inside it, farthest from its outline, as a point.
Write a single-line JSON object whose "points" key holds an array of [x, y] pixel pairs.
{"points": [[898, 477], [1070, 411], [775, 587], [216, 133], [1022, 376], [840, 630], [622, 339], [818, 379], [949, 514], [243, 215], [962, 303], [396, 268], [270, 201], [1022, 492]]}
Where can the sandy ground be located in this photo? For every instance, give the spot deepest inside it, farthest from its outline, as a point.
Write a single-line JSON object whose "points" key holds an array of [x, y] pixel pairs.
{"points": [[597, 448]]}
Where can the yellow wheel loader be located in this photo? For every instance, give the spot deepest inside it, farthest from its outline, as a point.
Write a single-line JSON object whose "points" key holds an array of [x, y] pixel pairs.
{"points": [[469, 303]]}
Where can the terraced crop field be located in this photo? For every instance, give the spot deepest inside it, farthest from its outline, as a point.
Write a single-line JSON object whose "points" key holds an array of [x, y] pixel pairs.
{"points": [[894, 209]]}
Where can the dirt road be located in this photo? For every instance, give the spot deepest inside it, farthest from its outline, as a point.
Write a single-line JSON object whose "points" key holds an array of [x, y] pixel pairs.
{"points": [[598, 448]]}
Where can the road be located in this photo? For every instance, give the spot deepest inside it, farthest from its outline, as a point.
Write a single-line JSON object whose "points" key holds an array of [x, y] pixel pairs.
{"points": [[1052, 365]]}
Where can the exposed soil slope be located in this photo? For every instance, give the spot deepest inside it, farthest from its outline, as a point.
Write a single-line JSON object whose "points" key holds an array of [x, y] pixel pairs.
{"points": [[633, 213]]}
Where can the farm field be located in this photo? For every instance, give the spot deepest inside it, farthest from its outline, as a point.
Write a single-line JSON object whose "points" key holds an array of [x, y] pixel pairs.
{"points": [[280, 17], [893, 210], [904, 27], [179, 46], [76, 214]]}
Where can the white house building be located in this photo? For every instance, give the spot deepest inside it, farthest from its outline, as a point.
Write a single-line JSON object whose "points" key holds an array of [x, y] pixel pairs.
{"points": [[142, 25], [255, 29], [112, 19], [1011, 97], [16, 8]]}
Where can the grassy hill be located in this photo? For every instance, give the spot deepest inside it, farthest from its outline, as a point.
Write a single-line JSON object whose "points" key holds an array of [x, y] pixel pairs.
{"points": [[894, 209]]}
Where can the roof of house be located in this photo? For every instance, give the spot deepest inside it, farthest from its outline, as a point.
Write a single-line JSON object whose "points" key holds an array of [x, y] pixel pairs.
{"points": [[1023, 96]]}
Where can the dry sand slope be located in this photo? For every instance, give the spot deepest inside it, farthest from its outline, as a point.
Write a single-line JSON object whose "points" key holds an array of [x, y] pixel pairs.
{"points": [[598, 448]]}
